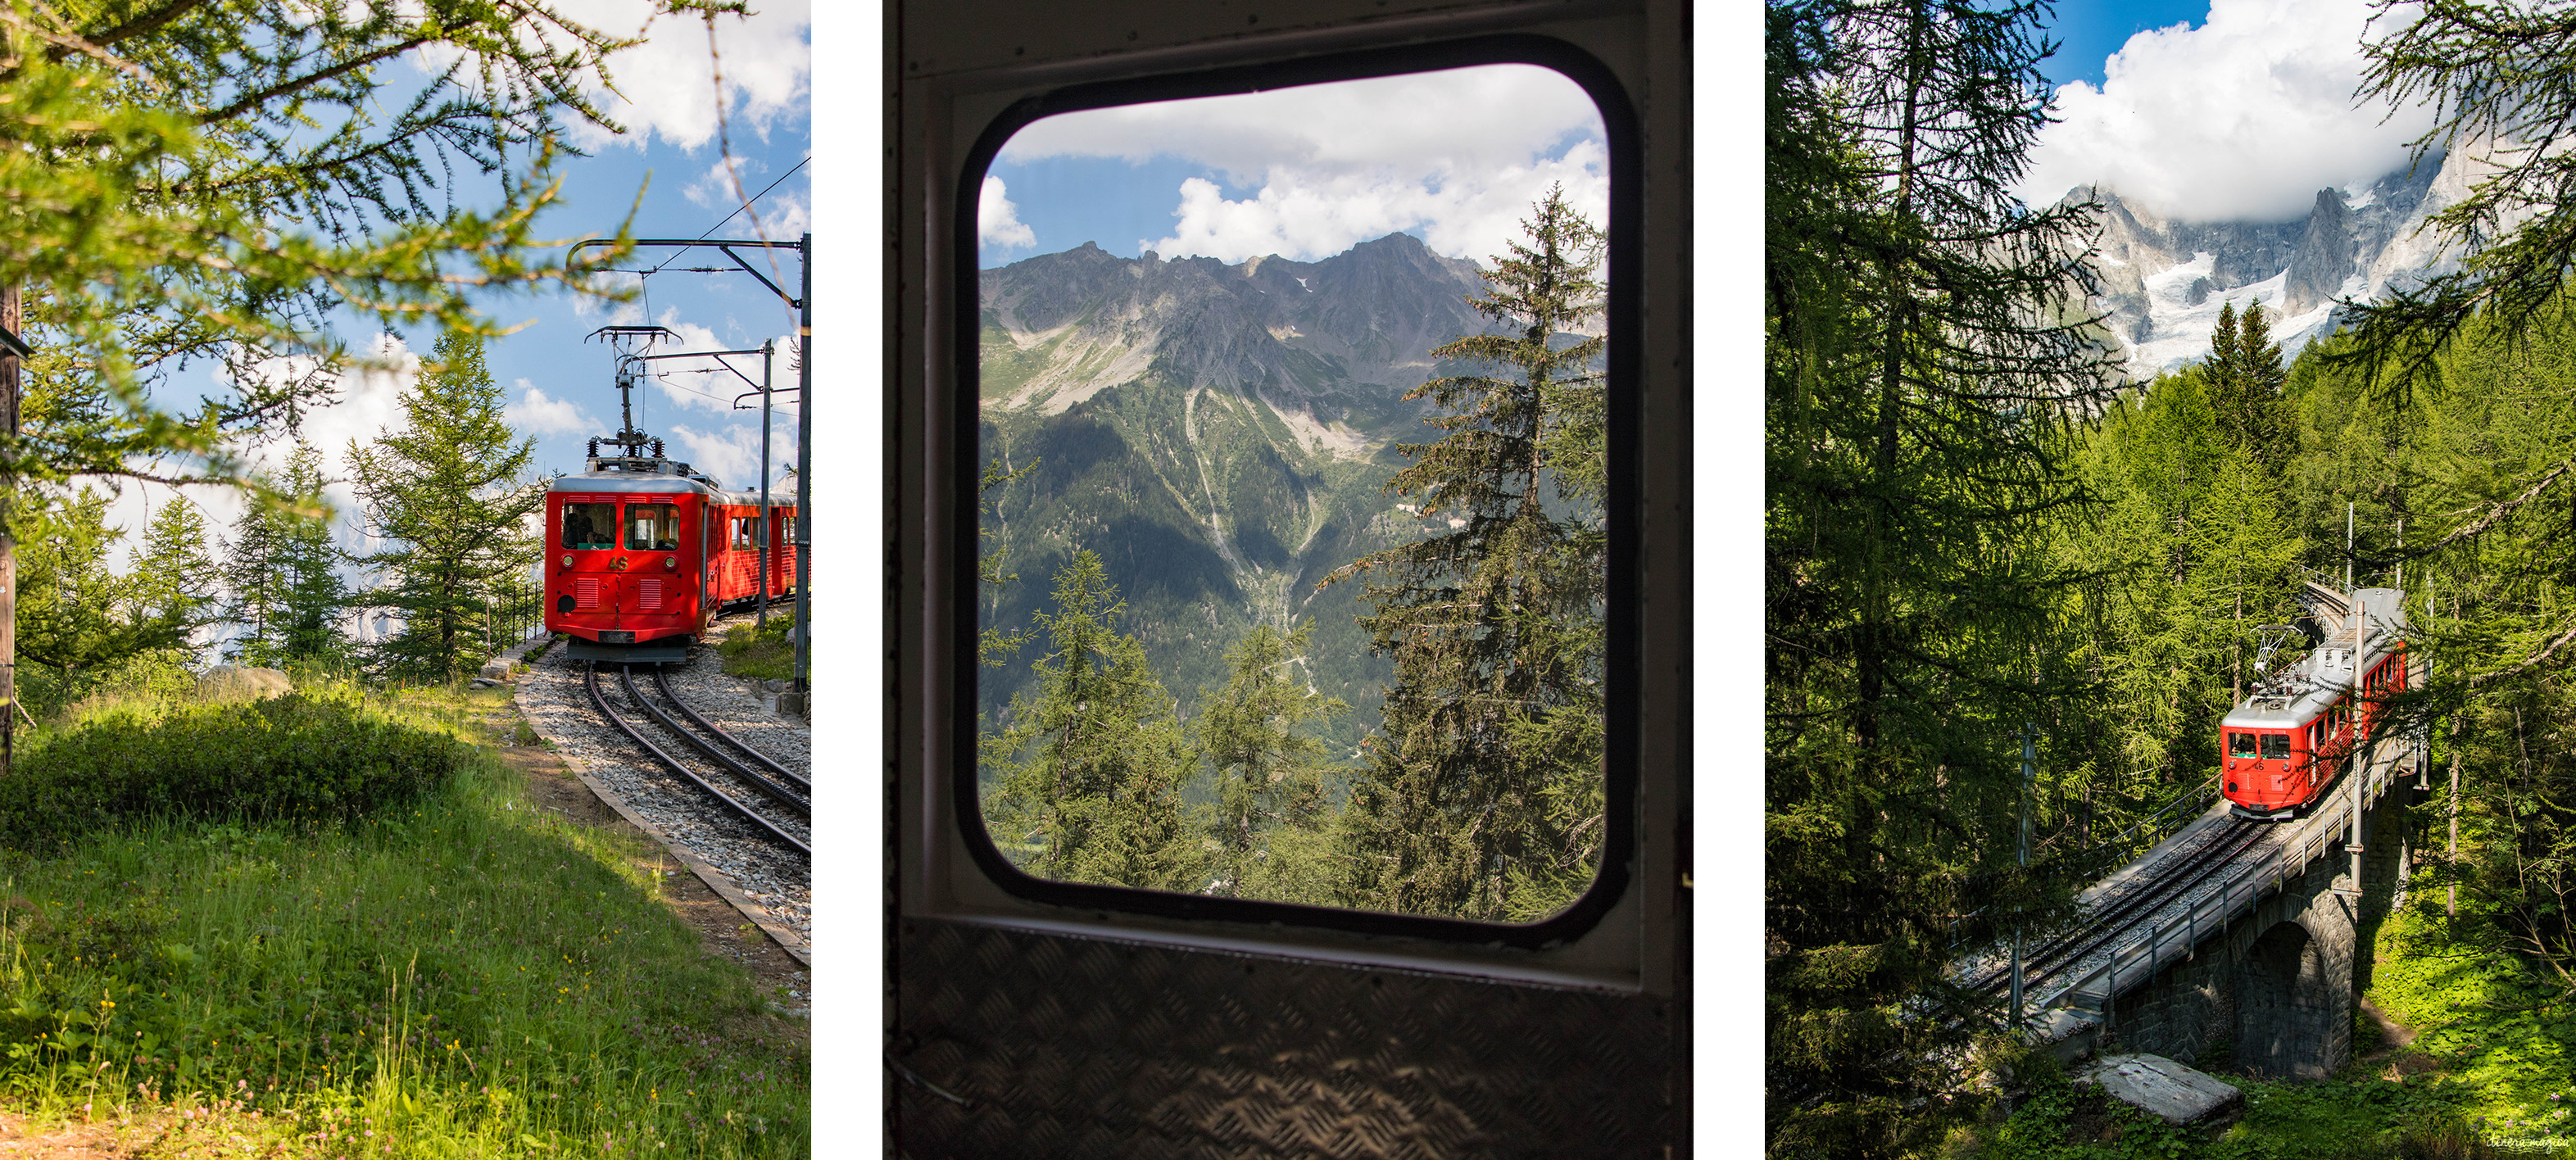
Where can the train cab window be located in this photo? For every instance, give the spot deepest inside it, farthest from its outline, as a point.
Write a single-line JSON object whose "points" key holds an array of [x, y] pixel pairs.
{"points": [[2240, 745], [652, 527], [1315, 604], [590, 525], [2276, 746]]}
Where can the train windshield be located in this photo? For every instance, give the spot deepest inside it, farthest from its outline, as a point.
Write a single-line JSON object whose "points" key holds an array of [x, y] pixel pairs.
{"points": [[652, 527], [2276, 746], [2240, 745], [590, 525]]}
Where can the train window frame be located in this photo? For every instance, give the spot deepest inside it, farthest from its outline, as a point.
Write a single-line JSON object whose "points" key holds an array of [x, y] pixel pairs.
{"points": [[1625, 381], [742, 539], [563, 531]]}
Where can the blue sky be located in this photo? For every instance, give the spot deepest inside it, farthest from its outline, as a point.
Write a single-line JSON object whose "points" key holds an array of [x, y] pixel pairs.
{"points": [[1454, 157], [2223, 111], [2087, 31], [558, 387]]}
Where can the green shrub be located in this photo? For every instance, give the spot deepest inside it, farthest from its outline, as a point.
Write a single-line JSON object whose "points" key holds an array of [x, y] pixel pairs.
{"points": [[318, 756], [762, 653]]}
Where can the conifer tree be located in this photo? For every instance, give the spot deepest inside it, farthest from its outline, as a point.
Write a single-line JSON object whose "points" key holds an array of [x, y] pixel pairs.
{"points": [[2244, 380], [314, 600], [2500, 78], [1268, 776], [1927, 353], [175, 579], [283, 570], [78, 622], [450, 495], [1482, 801], [1090, 773]]}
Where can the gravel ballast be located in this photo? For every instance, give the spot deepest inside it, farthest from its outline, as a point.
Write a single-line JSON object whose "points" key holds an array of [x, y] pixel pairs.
{"points": [[552, 697]]}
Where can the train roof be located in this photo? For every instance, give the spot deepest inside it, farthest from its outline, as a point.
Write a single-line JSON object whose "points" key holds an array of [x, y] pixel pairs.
{"points": [[2351, 645], [619, 481], [634, 481]]}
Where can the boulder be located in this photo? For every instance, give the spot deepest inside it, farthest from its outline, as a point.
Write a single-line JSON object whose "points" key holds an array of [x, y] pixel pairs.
{"points": [[2174, 1092], [2067, 1035], [227, 683]]}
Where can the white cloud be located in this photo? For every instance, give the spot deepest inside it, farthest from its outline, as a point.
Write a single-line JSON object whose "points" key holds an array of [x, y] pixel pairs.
{"points": [[535, 411], [369, 403], [1458, 154], [2245, 117], [1301, 217], [997, 220], [732, 454], [666, 85]]}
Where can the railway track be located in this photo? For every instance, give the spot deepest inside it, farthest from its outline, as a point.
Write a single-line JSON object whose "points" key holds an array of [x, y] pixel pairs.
{"points": [[2114, 915], [784, 792]]}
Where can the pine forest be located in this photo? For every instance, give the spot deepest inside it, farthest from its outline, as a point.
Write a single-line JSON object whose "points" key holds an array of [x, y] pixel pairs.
{"points": [[1986, 529]]}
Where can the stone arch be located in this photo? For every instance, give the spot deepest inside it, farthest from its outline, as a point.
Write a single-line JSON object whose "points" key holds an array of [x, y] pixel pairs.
{"points": [[2286, 1006]]}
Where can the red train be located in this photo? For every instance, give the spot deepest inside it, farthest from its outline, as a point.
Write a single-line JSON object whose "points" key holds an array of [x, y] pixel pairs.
{"points": [[2288, 740], [642, 551]]}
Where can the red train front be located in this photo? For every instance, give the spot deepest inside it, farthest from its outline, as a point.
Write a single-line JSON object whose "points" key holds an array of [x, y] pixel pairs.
{"points": [[2289, 739], [642, 552]]}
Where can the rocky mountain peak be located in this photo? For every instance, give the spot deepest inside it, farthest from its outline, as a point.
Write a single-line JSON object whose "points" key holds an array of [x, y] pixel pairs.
{"points": [[2164, 280]]}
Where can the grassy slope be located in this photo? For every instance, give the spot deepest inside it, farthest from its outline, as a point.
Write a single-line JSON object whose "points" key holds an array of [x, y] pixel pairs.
{"points": [[457, 977], [2487, 1074]]}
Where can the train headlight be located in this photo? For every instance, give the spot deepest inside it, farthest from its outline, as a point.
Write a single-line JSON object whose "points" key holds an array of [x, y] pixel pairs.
{"points": [[670, 562], [567, 559]]}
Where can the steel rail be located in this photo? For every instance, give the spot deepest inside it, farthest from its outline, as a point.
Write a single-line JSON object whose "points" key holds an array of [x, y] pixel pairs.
{"points": [[802, 786], [590, 680], [2245, 889], [2151, 894], [773, 791]]}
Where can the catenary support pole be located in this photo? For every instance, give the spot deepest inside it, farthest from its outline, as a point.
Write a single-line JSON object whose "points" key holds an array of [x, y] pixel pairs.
{"points": [[804, 477], [2356, 762], [760, 613], [2029, 771], [11, 322]]}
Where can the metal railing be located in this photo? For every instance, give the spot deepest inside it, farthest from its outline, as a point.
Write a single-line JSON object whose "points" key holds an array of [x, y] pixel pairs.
{"points": [[2171, 941]]}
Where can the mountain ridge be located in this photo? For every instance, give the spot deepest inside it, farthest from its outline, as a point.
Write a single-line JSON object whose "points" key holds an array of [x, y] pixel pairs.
{"points": [[2164, 279]]}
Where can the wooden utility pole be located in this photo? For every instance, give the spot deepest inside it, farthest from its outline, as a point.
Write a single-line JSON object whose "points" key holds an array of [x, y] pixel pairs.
{"points": [[11, 322]]}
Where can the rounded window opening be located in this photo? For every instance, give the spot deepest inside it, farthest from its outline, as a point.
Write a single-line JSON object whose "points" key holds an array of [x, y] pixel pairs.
{"points": [[1295, 470]]}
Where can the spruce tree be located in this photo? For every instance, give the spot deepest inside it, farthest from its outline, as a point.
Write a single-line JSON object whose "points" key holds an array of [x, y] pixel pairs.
{"points": [[313, 599], [67, 594], [1268, 775], [288, 599], [450, 495], [2244, 381], [1928, 352], [175, 580], [1483, 799], [1090, 772]]}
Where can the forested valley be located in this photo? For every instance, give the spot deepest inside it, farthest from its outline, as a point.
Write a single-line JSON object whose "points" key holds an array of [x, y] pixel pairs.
{"points": [[1470, 567], [1978, 525]]}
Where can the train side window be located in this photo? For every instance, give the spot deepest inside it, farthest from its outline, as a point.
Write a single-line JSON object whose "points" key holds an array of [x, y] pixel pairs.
{"points": [[742, 533], [2276, 746], [1301, 547], [590, 525], [2240, 745], [652, 527]]}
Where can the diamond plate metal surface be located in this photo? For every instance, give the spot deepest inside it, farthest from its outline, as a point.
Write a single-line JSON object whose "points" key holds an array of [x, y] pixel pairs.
{"points": [[1017, 1044]]}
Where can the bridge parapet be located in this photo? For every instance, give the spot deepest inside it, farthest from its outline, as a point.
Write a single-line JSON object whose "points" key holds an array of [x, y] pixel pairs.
{"points": [[2167, 938]]}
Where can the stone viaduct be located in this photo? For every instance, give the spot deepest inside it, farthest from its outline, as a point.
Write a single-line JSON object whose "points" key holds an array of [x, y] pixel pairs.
{"points": [[2271, 959]]}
